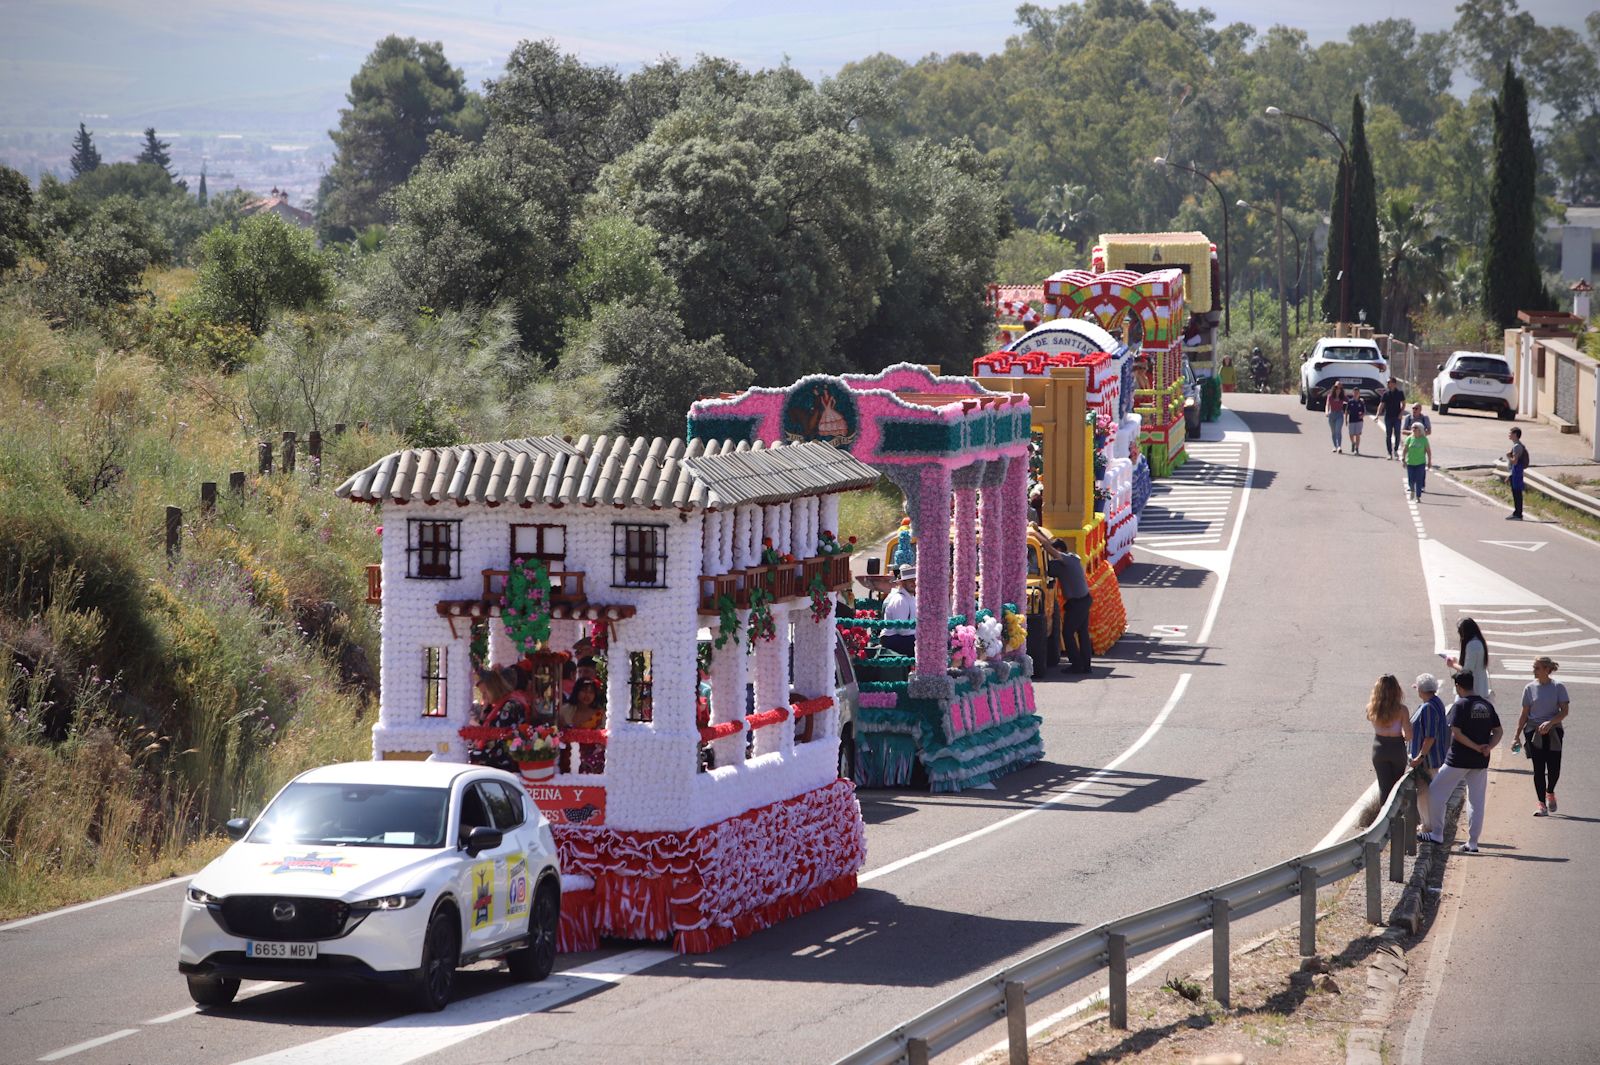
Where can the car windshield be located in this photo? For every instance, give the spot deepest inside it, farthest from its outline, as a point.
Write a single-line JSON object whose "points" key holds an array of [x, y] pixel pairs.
{"points": [[1350, 353], [355, 815], [1483, 364]]}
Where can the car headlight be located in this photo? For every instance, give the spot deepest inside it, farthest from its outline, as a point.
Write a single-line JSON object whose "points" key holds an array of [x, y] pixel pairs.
{"points": [[388, 902], [203, 898]]}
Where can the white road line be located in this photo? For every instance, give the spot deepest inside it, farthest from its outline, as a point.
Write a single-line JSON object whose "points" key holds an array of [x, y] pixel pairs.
{"points": [[87, 1044], [416, 1035], [1493, 502], [36, 918], [1055, 798], [1438, 962], [1222, 571]]}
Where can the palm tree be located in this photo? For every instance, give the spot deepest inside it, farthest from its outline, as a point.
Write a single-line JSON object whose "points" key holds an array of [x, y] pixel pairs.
{"points": [[1067, 207], [1413, 260]]}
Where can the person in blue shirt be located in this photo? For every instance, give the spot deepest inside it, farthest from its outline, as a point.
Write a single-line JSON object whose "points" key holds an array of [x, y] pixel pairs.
{"points": [[1430, 738]]}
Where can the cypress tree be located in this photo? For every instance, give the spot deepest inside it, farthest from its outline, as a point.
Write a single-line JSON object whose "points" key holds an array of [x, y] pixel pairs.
{"points": [[202, 184], [1366, 256], [1335, 249], [155, 151], [85, 156], [1511, 279]]}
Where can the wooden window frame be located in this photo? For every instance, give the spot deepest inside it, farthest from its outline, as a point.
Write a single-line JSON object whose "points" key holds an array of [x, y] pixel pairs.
{"points": [[435, 682], [629, 558], [448, 567], [540, 530]]}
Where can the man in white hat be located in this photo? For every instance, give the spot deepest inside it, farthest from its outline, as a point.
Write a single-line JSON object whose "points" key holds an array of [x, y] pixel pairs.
{"points": [[901, 605]]}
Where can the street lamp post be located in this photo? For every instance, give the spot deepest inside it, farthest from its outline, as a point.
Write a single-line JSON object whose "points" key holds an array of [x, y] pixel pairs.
{"points": [[1283, 220], [1346, 165], [1227, 268]]}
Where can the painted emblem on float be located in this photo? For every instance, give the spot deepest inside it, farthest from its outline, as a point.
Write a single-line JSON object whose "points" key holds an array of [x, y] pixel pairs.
{"points": [[820, 408]]}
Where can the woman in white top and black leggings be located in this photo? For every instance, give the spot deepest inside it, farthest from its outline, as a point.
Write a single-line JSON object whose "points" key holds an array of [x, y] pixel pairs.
{"points": [[1474, 657], [1391, 733], [1544, 707]]}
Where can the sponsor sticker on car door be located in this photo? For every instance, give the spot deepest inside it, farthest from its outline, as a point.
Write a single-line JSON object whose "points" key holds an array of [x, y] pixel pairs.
{"points": [[483, 881], [516, 885]]}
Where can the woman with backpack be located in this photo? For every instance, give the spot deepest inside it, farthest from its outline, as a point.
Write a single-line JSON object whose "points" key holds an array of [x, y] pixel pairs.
{"points": [[1336, 415]]}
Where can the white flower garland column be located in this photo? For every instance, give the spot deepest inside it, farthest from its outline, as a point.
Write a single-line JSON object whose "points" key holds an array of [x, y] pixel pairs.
{"points": [[730, 673], [814, 664], [458, 696], [829, 518], [772, 686]]}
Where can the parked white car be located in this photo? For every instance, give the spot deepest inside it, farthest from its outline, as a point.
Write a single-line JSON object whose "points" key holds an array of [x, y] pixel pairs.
{"points": [[1358, 364], [394, 872], [1478, 380]]}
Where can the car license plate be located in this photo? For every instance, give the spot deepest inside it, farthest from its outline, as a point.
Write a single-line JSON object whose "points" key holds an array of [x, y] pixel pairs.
{"points": [[281, 951], [1482, 382]]}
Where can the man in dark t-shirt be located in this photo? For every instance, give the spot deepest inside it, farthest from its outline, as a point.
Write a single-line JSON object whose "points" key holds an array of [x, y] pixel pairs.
{"points": [[1474, 732], [1355, 413], [1393, 405]]}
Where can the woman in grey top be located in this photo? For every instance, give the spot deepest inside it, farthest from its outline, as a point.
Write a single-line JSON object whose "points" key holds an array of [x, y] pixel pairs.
{"points": [[1544, 707]]}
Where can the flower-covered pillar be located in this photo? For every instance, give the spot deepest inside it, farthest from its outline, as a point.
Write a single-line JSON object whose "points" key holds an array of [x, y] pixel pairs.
{"points": [[814, 664], [964, 584], [730, 673], [1014, 496], [933, 570], [992, 569], [772, 685]]}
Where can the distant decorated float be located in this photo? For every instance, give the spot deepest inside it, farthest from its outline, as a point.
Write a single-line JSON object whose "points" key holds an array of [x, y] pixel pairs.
{"points": [[959, 711]]}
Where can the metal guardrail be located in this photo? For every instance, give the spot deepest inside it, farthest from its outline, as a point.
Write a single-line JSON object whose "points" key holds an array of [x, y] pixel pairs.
{"points": [[1004, 995], [1554, 489]]}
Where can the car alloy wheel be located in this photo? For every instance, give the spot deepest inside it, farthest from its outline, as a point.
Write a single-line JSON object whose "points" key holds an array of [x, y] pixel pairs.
{"points": [[538, 958], [441, 952]]}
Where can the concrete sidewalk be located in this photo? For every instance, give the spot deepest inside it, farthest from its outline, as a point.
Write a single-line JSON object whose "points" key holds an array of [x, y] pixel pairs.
{"points": [[1470, 438], [1517, 978]]}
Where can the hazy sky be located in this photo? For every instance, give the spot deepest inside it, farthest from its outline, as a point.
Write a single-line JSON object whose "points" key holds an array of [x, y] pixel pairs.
{"points": [[142, 57]]}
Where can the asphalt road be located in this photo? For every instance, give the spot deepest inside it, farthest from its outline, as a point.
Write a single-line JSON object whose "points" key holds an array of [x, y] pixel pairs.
{"points": [[1242, 711]]}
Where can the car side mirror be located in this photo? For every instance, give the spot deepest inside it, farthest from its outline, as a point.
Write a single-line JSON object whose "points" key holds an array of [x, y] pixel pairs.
{"points": [[483, 838], [237, 827]]}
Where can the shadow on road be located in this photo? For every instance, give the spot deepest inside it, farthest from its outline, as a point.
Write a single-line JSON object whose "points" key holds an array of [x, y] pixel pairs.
{"points": [[1134, 647], [1154, 575], [1115, 791], [1269, 422]]}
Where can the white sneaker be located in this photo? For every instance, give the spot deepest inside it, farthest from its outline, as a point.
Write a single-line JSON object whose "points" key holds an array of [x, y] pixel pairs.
{"points": [[1467, 848]]}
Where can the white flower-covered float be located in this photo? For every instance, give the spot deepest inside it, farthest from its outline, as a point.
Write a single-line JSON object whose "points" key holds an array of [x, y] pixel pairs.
{"points": [[961, 710], [706, 805]]}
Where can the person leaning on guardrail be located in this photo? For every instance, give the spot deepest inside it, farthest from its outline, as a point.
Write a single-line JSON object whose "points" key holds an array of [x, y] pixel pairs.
{"points": [[1474, 732], [1391, 733], [1430, 738]]}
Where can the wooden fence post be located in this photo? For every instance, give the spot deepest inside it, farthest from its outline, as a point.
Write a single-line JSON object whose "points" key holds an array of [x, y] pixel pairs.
{"points": [[314, 449], [1017, 1021], [208, 496], [338, 428], [288, 451], [1308, 911], [1118, 966], [236, 484], [1221, 988], [174, 533], [264, 456]]}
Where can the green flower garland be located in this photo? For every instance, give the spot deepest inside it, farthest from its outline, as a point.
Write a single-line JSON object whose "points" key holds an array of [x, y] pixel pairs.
{"points": [[525, 606], [727, 622]]}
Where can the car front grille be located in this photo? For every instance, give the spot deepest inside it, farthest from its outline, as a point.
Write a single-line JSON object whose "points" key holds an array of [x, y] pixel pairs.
{"points": [[284, 917]]}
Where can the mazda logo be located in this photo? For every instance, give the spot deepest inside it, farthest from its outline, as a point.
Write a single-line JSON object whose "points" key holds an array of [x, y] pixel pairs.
{"points": [[283, 911]]}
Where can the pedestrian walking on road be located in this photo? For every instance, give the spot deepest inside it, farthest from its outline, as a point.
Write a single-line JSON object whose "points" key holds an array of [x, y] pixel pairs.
{"points": [[1416, 417], [1544, 707], [1355, 409], [1474, 656], [1474, 732], [1391, 733], [1393, 405], [1418, 456], [1430, 738], [1336, 415], [1517, 459]]}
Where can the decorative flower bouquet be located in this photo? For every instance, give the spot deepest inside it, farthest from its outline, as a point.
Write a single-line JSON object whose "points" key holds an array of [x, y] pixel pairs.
{"points": [[856, 637], [525, 606], [1016, 627], [821, 606], [990, 637], [533, 744], [829, 544], [963, 647]]}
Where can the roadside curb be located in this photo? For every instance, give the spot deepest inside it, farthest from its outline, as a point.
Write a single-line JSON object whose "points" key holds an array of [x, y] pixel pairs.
{"points": [[1388, 968]]}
